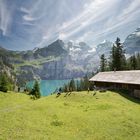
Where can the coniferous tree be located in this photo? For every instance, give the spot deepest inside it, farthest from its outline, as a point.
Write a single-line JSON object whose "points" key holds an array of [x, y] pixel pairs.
{"points": [[72, 86], [86, 82], [133, 62], [112, 58], [138, 61], [36, 90], [103, 63], [78, 86], [65, 88], [117, 59], [81, 84], [4, 82]]}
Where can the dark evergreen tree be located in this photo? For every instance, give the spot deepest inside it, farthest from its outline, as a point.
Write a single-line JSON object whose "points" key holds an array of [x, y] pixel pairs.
{"points": [[78, 85], [103, 63], [66, 87], [112, 58], [133, 63], [72, 86], [81, 84], [138, 61], [117, 59], [4, 82], [86, 82], [36, 90]]}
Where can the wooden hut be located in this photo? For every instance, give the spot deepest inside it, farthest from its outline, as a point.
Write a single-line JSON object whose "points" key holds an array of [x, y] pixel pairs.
{"points": [[129, 80]]}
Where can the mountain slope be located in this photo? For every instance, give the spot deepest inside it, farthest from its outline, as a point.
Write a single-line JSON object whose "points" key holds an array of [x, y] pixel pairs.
{"points": [[104, 48], [55, 49], [55, 61], [132, 42]]}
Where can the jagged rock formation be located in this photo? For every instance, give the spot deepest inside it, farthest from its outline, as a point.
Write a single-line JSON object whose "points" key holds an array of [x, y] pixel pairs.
{"points": [[104, 48], [132, 42]]}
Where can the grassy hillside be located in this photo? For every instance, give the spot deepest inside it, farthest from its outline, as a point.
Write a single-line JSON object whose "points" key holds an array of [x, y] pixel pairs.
{"points": [[81, 116], [36, 62]]}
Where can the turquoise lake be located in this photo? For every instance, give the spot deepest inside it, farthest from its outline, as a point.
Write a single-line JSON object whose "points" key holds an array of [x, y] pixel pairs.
{"points": [[48, 86]]}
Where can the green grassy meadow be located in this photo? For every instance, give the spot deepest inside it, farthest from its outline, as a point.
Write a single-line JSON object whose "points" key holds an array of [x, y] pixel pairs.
{"points": [[80, 116], [36, 63]]}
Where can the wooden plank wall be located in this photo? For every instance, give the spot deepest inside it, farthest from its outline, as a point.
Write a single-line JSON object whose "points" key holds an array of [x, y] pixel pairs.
{"points": [[136, 93]]}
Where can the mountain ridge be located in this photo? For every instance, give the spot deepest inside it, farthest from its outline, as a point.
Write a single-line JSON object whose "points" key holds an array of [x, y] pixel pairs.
{"points": [[61, 60]]}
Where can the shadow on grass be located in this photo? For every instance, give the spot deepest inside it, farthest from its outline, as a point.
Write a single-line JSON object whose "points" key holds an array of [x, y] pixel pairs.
{"points": [[126, 94]]}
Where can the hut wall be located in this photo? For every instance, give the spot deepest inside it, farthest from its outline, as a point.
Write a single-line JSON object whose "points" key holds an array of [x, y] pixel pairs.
{"points": [[137, 93], [117, 85], [111, 85], [134, 89]]}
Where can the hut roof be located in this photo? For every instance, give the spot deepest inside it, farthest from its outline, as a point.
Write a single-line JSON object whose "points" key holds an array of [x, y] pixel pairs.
{"points": [[127, 77]]}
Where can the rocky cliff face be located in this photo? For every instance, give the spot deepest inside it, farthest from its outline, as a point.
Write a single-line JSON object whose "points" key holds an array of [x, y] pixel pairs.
{"points": [[104, 48], [132, 42], [55, 49], [56, 61], [68, 63]]}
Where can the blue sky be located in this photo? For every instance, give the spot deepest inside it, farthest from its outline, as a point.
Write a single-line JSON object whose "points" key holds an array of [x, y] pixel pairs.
{"points": [[26, 24]]}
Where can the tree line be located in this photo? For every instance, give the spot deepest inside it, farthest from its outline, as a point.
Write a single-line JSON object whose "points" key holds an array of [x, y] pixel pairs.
{"points": [[117, 60], [81, 84], [35, 92], [6, 82]]}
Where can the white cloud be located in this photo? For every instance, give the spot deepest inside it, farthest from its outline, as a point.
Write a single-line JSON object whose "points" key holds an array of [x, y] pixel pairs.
{"points": [[30, 12], [5, 18], [133, 5], [62, 36], [98, 19], [92, 21], [23, 9], [28, 24], [92, 13], [85, 36], [28, 18], [86, 24]]}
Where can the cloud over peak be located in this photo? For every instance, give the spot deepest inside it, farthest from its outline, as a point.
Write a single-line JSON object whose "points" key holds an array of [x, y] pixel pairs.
{"points": [[40, 22]]}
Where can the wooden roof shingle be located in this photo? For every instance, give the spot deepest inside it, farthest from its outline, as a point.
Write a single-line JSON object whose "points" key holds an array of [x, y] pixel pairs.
{"points": [[127, 77]]}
